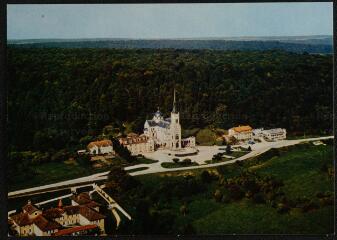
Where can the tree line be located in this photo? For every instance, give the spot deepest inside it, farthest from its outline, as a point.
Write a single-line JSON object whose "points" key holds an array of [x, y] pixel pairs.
{"points": [[59, 98]]}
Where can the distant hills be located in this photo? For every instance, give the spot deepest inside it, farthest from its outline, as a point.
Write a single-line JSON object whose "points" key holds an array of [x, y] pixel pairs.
{"points": [[322, 44]]}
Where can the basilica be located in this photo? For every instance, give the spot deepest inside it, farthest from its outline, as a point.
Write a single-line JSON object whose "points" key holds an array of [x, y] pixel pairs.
{"points": [[166, 132], [159, 133]]}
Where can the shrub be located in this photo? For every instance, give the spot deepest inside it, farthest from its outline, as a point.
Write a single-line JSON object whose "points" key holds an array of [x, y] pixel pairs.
{"points": [[205, 137], [259, 198], [206, 177], [228, 149], [282, 208], [183, 209], [175, 160], [235, 192], [187, 161], [218, 195]]}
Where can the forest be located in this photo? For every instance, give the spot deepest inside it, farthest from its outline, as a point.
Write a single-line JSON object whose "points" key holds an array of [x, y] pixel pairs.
{"points": [[309, 44], [60, 98]]}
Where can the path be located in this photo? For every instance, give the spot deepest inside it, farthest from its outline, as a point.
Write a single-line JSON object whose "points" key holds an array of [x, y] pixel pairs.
{"points": [[257, 149]]}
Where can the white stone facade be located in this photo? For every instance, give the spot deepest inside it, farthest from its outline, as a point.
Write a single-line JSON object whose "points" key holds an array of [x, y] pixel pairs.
{"points": [[275, 134], [138, 144], [166, 133], [241, 133]]}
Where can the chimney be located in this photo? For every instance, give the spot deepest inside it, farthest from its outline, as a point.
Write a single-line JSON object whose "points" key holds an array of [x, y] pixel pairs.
{"points": [[60, 204]]}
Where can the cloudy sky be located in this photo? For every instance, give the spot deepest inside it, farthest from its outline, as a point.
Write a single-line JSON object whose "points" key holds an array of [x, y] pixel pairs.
{"points": [[168, 20]]}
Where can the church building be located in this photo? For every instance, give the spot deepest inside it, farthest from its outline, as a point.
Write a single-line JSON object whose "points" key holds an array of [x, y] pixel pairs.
{"points": [[166, 133]]}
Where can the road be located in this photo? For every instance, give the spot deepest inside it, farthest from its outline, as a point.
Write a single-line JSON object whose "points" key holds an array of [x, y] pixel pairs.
{"points": [[257, 149], [83, 181]]}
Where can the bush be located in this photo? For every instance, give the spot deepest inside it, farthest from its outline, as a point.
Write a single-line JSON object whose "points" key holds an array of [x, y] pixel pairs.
{"points": [[175, 160], [206, 177], [259, 198], [83, 159], [60, 156], [205, 137], [187, 161], [218, 195], [228, 149], [282, 208], [235, 192]]}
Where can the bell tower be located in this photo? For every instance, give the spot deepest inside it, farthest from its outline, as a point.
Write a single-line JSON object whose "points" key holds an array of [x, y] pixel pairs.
{"points": [[175, 127]]}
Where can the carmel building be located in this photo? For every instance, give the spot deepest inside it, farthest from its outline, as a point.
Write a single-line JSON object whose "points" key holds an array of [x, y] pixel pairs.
{"points": [[80, 218]]}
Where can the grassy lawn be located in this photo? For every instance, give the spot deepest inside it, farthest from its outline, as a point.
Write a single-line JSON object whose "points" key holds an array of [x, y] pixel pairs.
{"points": [[52, 172], [178, 164], [238, 154], [223, 159], [299, 168]]}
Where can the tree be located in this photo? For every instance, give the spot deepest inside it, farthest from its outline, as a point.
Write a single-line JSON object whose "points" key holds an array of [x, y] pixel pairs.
{"points": [[228, 149], [206, 176], [183, 209], [84, 159], [249, 149], [175, 160], [187, 161], [122, 151]]}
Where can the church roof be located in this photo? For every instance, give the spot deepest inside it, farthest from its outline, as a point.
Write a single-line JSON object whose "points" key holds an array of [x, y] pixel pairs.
{"points": [[163, 124], [102, 143]]}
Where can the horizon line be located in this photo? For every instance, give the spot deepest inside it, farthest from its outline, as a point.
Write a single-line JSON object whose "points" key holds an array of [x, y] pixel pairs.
{"points": [[172, 38]]}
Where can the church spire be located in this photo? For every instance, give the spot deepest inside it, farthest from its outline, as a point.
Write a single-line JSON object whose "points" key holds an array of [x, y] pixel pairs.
{"points": [[174, 102]]}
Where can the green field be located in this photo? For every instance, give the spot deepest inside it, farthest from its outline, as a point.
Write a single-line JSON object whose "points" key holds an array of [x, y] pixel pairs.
{"points": [[52, 172], [298, 167]]}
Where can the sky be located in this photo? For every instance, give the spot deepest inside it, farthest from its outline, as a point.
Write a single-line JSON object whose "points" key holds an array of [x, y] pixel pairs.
{"points": [[168, 20]]}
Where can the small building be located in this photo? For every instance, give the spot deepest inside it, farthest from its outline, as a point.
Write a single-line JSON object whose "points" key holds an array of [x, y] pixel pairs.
{"points": [[78, 230], [275, 134], [138, 144], [258, 133], [241, 133], [35, 222], [188, 142], [100, 147], [31, 222], [81, 152]]}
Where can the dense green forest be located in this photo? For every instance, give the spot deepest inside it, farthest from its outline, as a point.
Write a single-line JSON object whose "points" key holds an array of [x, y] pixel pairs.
{"points": [[60, 98], [310, 45]]}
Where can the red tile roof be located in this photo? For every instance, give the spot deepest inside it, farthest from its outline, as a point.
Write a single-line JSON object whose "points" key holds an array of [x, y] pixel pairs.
{"points": [[90, 214], [82, 198], [133, 139], [102, 143], [85, 200], [53, 213], [22, 219], [243, 128], [69, 231], [30, 208], [71, 210], [46, 225]]}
